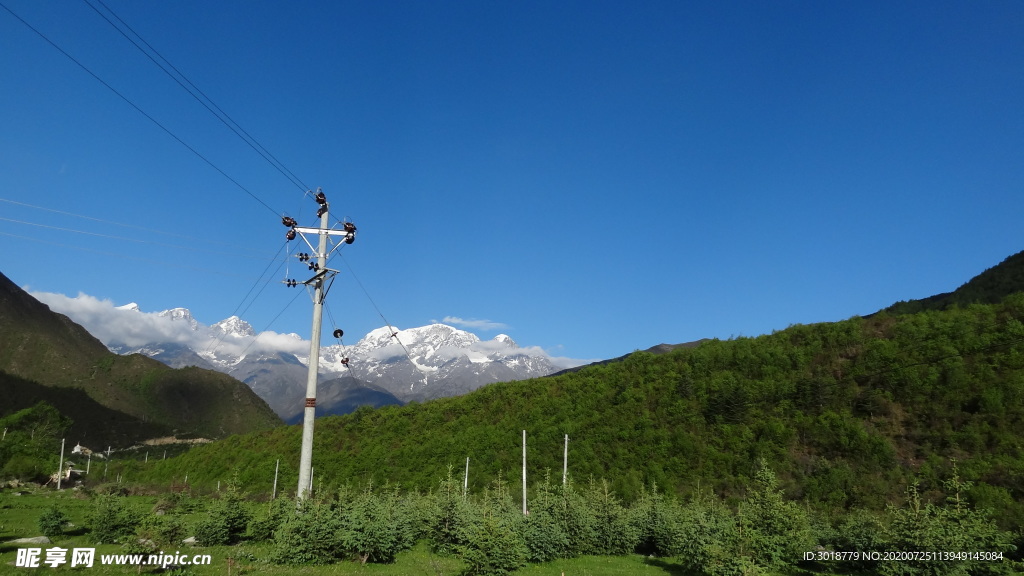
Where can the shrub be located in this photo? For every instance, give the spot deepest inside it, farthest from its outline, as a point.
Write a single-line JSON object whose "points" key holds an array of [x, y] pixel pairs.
{"points": [[776, 532], [920, 527], [226, 519], [112, 519], [577, 520], [52, 521], [709, 540], [656, 521], [155, 533], [377, 527], [543, 536], [448, 516], [613, 533], [309, 534], [543, 533], [262, 527], [860, 530], [494, 545]]}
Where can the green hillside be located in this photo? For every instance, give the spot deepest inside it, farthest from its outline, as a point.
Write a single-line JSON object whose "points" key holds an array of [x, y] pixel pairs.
{"points": [[94, 425], [989, 287], [39, 348], [847, 413]]}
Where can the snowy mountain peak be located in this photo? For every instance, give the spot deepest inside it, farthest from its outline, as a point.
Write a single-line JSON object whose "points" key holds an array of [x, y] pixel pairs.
{"points": [[433, 360], [378, 338], [234, 326], [180, 314], [436, 335], [506, 340], [132, 306]]}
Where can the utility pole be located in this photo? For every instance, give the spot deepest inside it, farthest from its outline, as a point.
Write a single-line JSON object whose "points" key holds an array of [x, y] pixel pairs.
{"points": [[321, 283], [565, 461], [60, 467], [524, 473], [306, 453]]}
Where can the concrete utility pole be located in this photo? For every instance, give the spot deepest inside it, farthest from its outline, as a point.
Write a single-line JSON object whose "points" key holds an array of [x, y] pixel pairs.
{"points": [[320, 282], [277, 466], [60, 467], [306, 453], [524, 473], [565, 461]]}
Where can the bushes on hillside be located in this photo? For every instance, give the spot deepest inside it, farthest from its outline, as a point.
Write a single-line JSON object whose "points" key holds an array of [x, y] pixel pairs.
{"points": [[52, 521], [226, 519], [762, 533], [112, 519]]}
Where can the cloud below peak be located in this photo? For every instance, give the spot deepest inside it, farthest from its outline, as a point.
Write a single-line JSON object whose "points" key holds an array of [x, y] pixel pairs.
{"points": [[128, 326], [474, 323]]}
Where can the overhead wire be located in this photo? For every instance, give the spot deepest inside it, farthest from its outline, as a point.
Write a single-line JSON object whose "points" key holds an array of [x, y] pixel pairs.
{"points": [[181, 79], [215, 344], [139, 109], [217, 271], [269, 324], [341, 338], [112, 236], [203, 99], [391, 329]]}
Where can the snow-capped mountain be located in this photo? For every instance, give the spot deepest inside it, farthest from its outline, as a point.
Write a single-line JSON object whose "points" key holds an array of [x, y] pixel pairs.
{"points": [[234, 326], [182, 314], [434, 361], [386, 366]]}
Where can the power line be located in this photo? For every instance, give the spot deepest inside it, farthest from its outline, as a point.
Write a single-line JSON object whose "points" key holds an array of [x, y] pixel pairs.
{"points": [[119, 238], [218, 271], [391, 329], [138, 109], [205, 101], [219, 340]]}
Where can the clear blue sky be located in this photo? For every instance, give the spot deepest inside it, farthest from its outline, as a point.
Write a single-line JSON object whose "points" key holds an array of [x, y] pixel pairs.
{"points": [[596, 176]]}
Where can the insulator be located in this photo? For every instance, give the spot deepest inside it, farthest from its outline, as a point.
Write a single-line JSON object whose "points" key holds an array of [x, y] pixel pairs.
{"points": [[350, 238], [338, 333], [344, 361], [291, 283], [289, 221], [303, 256], [350, 227], [320, 211], [321, 198], [290, 235]]}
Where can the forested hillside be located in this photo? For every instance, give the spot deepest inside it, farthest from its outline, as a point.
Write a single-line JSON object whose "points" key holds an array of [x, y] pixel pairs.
{"points": [[848, 414], [989, 287]]}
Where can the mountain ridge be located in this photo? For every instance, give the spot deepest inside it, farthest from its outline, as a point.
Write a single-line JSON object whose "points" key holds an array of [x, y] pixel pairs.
{"points": [[990, 286], [387, 366], [49, 349]]}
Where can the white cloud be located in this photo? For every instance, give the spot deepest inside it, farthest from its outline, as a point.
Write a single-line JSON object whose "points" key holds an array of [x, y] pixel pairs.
{"points": [[122, 326], [118, 326], [474, 323]]}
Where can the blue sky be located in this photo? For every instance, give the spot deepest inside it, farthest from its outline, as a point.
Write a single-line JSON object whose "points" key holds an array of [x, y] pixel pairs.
{"points": [[588, 177]]}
